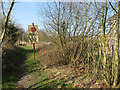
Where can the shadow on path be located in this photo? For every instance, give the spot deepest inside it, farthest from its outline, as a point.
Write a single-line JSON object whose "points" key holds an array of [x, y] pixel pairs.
{"points": [[15, 69], [22, 68]]}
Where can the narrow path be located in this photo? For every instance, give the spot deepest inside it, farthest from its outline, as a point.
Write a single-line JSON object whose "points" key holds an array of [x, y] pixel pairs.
{"points": [[22, 69], [33, 75], [21, 74], [27, 67]]}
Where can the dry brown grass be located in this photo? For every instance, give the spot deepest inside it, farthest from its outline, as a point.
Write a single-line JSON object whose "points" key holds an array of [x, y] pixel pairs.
{"points": [[8, 52], [49, 56]]}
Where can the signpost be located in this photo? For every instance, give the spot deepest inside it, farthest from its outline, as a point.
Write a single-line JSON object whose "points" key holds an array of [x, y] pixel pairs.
{"points": [[33, 36]]}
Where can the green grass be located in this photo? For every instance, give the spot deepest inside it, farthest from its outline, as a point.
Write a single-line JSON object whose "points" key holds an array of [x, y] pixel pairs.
{"points": [[43, 81], [32, 67], [11, 73]]}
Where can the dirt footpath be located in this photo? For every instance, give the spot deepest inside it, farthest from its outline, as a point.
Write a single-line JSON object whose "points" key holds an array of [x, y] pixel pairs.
{"points": [[61, 73]]}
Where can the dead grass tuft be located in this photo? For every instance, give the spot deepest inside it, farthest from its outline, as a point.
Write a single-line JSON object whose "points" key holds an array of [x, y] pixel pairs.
{"points": [[50, 56]]}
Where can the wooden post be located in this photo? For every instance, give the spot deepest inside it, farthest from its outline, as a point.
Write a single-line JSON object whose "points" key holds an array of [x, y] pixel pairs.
{"points": [[33, 45], [34, 50]]}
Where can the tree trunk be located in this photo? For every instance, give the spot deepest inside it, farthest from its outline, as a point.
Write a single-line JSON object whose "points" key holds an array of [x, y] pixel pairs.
{"points": [[116, 62], [6, 21], [104, 38]]}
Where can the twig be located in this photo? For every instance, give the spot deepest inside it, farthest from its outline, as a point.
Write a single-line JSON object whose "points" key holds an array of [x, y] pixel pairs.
{"points": [[112, 7]]}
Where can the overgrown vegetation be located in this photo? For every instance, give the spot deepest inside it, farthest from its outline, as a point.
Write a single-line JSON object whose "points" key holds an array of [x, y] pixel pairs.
{"points": [[35, 74], [87, 35], [12, 60], [8, 45], [50, 56], [82, 35], [11, 56]]}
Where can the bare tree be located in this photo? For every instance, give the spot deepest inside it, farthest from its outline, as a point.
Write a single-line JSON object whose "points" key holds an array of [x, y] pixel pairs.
{"points": [[6, 19], [82, 33]]}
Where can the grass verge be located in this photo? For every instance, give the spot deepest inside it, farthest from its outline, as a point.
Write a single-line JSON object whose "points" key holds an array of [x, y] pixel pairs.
{"points": [[38, 78], [11, 73]]}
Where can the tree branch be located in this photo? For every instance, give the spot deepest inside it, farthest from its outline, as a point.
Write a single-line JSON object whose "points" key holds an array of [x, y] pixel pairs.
{"points": [[3, 10], [112, 7], [6, 21]]}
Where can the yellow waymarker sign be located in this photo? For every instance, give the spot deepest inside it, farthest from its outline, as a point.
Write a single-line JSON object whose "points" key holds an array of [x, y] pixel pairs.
{"points": [[33, 33]]}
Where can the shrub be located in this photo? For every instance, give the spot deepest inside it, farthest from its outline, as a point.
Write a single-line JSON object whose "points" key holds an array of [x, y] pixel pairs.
{"points": [[49, 55]]}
